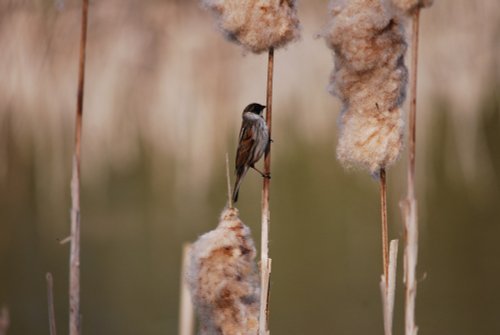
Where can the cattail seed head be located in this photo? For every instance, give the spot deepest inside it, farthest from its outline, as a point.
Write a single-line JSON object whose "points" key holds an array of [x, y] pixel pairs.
{"points": [[223, 278], [370, 79], [257, 25]]}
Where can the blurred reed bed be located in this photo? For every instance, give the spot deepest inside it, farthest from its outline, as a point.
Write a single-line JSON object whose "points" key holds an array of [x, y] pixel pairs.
{"points": [[468, 44], [146, 63], [127, 221]]}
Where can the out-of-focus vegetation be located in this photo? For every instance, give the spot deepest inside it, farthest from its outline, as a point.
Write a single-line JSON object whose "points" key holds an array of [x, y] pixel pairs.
{"points": [[164, 95]]}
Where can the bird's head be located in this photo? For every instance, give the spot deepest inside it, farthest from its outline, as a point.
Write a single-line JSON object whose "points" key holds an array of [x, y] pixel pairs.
{"points": [[254, 108]]}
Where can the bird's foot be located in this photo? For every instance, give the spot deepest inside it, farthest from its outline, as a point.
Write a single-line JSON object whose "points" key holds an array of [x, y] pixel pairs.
{"points": [[264, 175]]}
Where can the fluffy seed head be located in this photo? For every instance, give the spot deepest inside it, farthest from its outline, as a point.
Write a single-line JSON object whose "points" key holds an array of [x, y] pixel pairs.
{"points": [[223, 278], [373, 140], [256, 24], [370, 79]]}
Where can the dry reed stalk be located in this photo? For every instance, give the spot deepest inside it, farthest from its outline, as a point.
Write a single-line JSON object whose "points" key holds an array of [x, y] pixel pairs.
{"points": [[265, 261], [409, 205], [228, 179], [388, 288], [50, 302], [411, 8], [385, 233], [186, 315], [389, 257], [74, 271], [4, 320]]}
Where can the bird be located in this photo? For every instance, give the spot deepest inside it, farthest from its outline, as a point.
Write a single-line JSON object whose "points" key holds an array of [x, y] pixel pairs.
{"points": [[253, 142]]}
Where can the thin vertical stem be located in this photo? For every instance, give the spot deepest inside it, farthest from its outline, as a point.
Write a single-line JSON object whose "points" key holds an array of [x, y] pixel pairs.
{"points": [[4, 320], [228, 179], [388, 288], [50, 302], [186, 314], [389, 262], [265, 262], [81, 82], [74, 274], [409, 205], [385, 234], [74, 260], [413, 104]]}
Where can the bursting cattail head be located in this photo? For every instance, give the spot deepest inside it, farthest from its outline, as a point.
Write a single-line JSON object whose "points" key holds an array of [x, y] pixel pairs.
{"points": [[370, 79], [257, 25], [223, 278]]}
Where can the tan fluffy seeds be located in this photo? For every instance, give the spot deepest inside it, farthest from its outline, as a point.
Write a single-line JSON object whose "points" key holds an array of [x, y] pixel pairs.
{"points": [[370, 79], [257, 24], [223, 278]]}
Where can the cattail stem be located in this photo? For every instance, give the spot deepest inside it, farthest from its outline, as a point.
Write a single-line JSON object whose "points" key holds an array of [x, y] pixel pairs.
{"points": [[4, 320], [385, 234], [50, 302], [409, 205], [413, 104], [265, 262], [228, 179], [388, 288], [74, 271], [389, 262], [186, 309]]}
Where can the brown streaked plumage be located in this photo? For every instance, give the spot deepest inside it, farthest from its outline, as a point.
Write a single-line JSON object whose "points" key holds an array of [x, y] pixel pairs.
{"points": [[253, 143]]}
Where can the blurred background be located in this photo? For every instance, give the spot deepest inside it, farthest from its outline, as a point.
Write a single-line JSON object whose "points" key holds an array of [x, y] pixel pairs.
{"points": [[163, 101]]}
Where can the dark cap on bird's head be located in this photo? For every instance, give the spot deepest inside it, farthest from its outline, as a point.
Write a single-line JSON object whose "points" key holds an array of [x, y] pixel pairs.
{"points": [[254, 108]]}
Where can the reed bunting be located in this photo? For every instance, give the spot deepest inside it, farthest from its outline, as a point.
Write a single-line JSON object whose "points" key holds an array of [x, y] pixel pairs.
{"points": [[253, 143]]}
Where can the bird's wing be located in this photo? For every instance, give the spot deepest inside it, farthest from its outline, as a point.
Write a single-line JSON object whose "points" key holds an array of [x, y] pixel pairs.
{"points": [[245, 146]]}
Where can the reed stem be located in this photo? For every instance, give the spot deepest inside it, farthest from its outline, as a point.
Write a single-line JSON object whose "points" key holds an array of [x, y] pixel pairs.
{"points": [[74, 271], [409, 205], [388, 288], [50, 302], [4, 320], [228, 180], [186, 308], [265, 262], [385, 233]]}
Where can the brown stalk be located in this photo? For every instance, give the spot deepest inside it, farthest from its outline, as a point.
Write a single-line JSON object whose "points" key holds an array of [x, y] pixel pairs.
{"points": [[409, 205], [186, 308], [265, 261], [388, 288], [385, 234], [389, 257], [74, 271], [4, 320], [228, 179], [50, 302]]}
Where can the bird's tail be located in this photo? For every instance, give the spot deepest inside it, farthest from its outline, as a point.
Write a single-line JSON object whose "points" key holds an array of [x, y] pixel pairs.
{"points": [[239, 179]]}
